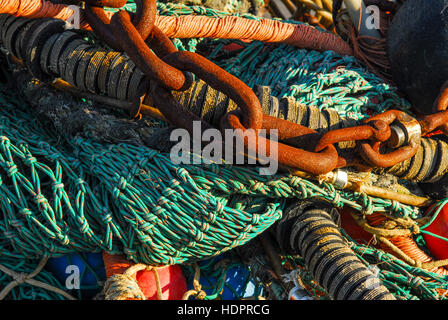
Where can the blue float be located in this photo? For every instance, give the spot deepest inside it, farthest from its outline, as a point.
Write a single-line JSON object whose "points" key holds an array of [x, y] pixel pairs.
{"points": [[89, 267]]}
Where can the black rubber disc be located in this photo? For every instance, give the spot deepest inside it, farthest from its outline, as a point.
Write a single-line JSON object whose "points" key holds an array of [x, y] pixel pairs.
{"points": [[125, 77], [64, 57], [46, 51], [82, 68], [138, 84], [115, 70], [35, 43], [11, 34], [6, 24], [103, 73], [3, 17], [92, 70], [19, 43], [63, 40], [72, 62]]}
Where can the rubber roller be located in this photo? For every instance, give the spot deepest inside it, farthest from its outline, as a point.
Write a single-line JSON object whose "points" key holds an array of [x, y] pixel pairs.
{"points": [[311, 229], [49, 51], [429, 165]]}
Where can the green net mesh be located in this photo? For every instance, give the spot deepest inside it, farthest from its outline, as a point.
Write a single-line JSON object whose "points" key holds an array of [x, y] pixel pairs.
{"points": [[60, 195]]}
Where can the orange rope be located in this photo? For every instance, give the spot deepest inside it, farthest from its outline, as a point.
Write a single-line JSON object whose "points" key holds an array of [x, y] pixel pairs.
{"points": [[408, 246], [405, 244], [191, 26], [35, 9]]}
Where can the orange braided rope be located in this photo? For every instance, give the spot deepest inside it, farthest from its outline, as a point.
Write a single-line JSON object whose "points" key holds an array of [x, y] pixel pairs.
{"points": [[405, 244], [35, 9], [192, 26]]}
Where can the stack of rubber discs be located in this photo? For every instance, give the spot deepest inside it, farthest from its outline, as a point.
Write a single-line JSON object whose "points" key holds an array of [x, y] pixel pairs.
{"points": [[50, 51], [428, 165]]}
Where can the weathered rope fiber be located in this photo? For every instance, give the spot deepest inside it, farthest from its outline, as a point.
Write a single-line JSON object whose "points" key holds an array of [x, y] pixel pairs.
{"points": [[20, 278], [25, 279], [124, 286]]}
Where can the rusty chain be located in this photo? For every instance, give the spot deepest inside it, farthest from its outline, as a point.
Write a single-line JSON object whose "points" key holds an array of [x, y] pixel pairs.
{"points": [[169, 69]]}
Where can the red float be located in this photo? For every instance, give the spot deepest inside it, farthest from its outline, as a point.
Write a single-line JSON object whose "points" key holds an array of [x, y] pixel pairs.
{"points": [[172, 280], [438, 247]]}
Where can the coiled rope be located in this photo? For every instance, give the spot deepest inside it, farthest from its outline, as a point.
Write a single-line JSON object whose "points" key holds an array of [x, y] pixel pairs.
{"points": [[191, 26]]}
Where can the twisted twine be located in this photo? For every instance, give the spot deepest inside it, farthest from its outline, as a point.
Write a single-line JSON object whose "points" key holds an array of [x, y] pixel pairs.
{"points": [[20, 278]]}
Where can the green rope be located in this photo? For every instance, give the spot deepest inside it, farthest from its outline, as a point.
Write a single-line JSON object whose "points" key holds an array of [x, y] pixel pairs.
{"points": [[404, 281], [437, 208]]}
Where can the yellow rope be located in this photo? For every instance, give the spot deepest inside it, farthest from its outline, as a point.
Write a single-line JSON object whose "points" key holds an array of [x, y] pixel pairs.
{"points": [[197, 291]]}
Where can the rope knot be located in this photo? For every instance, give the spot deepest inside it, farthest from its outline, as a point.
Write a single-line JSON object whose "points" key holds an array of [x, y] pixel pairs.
{"points": [[21, 278], [415, 282], [63, 238], [12, 169], [25, 212], [106, 217], [122, 287], [58, 185], [30, 160], [122, 183], [40, 199], [255, 219]]}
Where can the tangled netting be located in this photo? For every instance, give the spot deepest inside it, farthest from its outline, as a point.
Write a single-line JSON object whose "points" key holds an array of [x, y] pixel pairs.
{"points": [[324, 80], [60, 195]]}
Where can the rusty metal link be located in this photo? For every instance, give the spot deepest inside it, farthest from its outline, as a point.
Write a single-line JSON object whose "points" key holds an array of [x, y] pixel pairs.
{"points": [[394, 127], [438, 120], [370, 151], [156, 56], [222, 81], [143, 20], [136, 48], [167, 71], [99, 22], [289, 156], [145, 17], [165, 68], [164, 65], [376, 130]]}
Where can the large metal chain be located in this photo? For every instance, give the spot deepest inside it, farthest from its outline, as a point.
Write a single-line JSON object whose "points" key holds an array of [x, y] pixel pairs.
{"points": [[153, 52]]}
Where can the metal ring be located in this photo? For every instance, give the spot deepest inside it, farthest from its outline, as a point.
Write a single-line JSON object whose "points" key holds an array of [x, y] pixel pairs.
{"points": [[340, 179]]}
